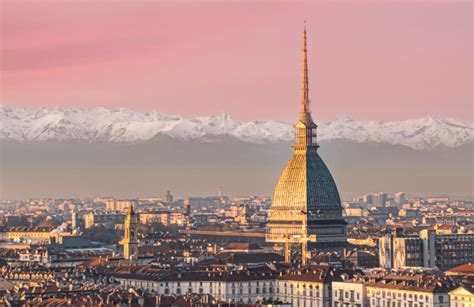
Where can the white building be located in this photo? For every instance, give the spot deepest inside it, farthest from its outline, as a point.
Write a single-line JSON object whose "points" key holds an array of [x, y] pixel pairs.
{"points": [[306, 287], [239, 286], [405, 295], [309, 286], [349, 294], [392, 289]]}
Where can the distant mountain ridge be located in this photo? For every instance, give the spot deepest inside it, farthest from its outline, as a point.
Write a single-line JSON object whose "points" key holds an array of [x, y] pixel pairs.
{"points": [[129, 126]]}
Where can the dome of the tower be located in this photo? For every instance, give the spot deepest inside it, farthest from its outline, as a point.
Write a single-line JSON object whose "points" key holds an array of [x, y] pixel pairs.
{"points": [[306, 184]]}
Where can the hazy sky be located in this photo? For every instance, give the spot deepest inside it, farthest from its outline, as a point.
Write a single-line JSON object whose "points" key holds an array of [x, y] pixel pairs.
{"points": [[374, 59]]}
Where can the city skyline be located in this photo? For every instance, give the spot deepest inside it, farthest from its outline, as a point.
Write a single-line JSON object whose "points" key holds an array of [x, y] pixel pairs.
{"points": [[407, 59], [185, 153]]}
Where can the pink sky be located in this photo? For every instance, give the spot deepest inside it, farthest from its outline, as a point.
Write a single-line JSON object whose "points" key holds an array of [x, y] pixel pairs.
{"points": [[368, 60]]}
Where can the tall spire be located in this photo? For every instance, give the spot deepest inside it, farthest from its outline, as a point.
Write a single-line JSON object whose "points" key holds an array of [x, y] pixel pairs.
{"points": [[130, 210], [305, 127], [304, 84]]}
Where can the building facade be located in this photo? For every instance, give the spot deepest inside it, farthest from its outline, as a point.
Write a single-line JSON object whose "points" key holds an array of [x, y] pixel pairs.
{"points": [[307, 287], [349, 294], [428, 249], [452, 250], [393, 289], [245, 286], [107, 219], [300, 287], [462, 297], [32, 234], [400, 198], [162, 217]]}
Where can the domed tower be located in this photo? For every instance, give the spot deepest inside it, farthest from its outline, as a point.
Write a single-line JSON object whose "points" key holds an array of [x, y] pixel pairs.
{"points": [[306, 201]]}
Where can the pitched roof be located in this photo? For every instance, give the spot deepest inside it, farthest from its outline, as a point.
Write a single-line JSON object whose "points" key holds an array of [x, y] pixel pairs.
{"points": [[467, 268]]}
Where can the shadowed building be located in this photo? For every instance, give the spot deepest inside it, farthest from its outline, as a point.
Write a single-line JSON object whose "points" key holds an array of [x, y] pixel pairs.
{"points": [[306, 201]]}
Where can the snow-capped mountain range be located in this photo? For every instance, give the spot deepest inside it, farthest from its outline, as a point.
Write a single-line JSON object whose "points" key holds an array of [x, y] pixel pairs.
{"points": [[125, 125]]}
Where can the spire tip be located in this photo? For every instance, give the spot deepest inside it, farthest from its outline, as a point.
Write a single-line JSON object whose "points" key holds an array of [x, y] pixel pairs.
{"points": [[305, 86]]}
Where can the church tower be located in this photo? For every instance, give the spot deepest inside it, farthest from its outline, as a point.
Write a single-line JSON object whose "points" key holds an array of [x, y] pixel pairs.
{"points": [[306, 203], [129, 241], [74, 222]]}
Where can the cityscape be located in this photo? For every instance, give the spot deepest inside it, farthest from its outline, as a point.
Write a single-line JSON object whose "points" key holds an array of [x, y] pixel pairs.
{"points": [[307, 244], [214, 250]]}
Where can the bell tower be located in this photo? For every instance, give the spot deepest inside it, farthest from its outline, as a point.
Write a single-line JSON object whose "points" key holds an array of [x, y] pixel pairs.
{"points": [[129, 241]]}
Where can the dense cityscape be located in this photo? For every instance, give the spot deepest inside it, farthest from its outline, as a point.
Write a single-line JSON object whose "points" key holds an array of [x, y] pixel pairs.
{"points": [[302, 246], [200, 250]]}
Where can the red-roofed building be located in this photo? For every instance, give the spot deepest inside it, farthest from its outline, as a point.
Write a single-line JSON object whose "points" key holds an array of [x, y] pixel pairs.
{"points": [[465, 270]]}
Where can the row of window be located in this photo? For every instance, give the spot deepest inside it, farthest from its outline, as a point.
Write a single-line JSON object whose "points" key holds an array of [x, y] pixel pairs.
{"points": [[348, 295], [149, 285]]}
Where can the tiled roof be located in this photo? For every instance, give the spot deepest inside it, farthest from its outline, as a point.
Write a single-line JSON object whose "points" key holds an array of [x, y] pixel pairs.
{"points": [[465, 268], [306, 184], [430, 285], [149, 273], [316, 273]]}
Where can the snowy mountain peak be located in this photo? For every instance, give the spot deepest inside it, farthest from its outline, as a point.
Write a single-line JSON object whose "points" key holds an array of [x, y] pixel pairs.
{"points": [[125, 125]]}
